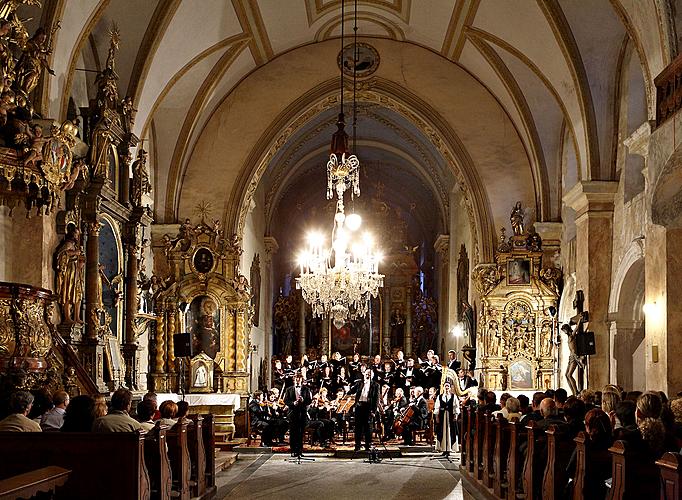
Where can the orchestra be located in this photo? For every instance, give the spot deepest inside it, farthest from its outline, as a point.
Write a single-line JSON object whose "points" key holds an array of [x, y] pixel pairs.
{"points": [[386, 399]]}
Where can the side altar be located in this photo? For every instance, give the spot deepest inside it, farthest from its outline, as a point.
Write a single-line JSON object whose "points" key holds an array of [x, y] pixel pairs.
{"points": [[518, 340]]}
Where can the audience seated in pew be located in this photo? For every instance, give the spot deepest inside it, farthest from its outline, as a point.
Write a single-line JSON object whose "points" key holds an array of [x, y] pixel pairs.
{"points": [[79, 415], [145, 412], [118, 419], [598, 470], [20, 405], [534, 413], [169, 412], [101, 408], [53, 419]]}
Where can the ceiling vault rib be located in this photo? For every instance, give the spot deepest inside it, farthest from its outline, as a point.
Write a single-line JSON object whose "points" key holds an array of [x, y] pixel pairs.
{"points": [[177, 170], [479, 33], [569, 47], [158, 24], [251, 21], [536, 155], [462, 16]]}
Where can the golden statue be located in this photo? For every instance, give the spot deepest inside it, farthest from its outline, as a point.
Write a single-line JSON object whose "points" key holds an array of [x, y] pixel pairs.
{"points": [[70, 264], [516, 219], [141, 183], [31, 63]]}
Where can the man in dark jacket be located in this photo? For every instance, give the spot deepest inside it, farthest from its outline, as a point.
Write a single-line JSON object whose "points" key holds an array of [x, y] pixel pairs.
{"points": [[297, 398], [366, 400], [419, 417]]}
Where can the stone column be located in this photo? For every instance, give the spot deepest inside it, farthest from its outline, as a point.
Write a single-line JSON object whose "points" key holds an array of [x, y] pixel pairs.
{"points": [[171, 312], [408, 322], [442, 247], [92, 296], [301, 325], [386, 324], [593, 204], [271, 248]]}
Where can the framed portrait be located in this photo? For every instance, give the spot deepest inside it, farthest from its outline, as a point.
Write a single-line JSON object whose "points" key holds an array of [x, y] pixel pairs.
{"points": [[201, 374], [203, 260], [518, 272], [521, 375], [203, 322]]}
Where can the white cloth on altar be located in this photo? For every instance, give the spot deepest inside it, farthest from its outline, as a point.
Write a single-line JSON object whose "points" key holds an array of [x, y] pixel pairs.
{"points": [[212, 399]]}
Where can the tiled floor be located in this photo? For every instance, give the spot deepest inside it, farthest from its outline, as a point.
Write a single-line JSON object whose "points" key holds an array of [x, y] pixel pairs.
{"points": [[272, 477]]}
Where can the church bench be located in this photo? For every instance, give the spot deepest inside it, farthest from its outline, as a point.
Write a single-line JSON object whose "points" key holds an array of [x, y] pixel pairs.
{"points": [[197, 455], [560, 446], [178, 454], [103, 465], [670, 467], [478, 445], [517, 433], [500, 454], [533, 471], [633, 476], [488, 449], [158, 464], [462, 437], [578, 486], [208, 431], [29, 484], [471, 459]]}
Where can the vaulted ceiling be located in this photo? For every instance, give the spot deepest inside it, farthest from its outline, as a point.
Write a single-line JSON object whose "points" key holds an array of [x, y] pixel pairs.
{"points": [[506, 87]]}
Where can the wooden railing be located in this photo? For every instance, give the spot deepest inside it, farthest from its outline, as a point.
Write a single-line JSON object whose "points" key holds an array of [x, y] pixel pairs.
{"points": [[669, 91]]}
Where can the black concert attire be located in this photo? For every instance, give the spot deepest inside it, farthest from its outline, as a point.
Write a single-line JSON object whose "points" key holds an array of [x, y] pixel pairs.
{"points": [[409, 377], [466, 382], [432, 374], [389, 379], [455, 364], [297, 400], [366, 400], [278, 421], [355, 373], [400, 364], [327, 382], [418, 420], [446, 428], [377, 373], [260, 421], [394, 409], [321, 424], [288, 370], [340, 383], [278, 378]]}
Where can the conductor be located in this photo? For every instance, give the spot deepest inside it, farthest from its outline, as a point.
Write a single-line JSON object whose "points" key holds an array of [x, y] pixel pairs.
{"points": [[297, 398], [366, 399]]}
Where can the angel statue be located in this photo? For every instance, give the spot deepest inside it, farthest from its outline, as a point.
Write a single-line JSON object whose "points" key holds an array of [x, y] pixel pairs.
{"points": [[516, 219]]}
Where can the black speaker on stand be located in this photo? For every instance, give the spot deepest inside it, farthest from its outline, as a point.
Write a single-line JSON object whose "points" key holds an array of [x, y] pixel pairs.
{"points": [[182, 348]]}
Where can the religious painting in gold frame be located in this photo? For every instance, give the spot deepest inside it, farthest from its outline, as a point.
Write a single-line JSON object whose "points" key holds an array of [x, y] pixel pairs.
{"points": [[203, 260], [521, 375], [518, 271], [201, 373]]}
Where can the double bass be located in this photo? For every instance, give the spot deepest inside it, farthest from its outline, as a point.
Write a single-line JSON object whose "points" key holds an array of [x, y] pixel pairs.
{"points": [[400, 423]]}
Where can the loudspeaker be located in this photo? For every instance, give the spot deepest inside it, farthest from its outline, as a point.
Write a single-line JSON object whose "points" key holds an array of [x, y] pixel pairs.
{"points": [[584, 344], [182, 345]]}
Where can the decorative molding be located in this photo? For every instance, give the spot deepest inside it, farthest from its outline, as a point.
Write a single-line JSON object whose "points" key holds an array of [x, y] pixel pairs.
{"points": [[252, 23], [592, 197], [455, 36]]}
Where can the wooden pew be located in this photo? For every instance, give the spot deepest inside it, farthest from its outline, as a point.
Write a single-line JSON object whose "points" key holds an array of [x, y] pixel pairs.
{"points": [[488, 449], [462, 437], [471, 461], [478, 445], [580, 463], [29, 484], [514, 463], [158, 465], [500, 454], [532, 468], [559, 450], [178, 453], [104, 465], [208, 429], [633, 476], [197, 455], [670, 466]]}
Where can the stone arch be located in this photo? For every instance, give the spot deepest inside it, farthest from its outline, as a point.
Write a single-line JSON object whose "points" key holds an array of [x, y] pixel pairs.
{"points": [[666, 197], [627, 320]]}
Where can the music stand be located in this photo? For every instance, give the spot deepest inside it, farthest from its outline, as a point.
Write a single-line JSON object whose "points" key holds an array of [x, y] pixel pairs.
{"points": [[299, 459], [443, 457]]}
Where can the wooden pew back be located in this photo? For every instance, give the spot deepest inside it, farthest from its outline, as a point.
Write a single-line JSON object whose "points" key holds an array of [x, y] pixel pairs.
{"points": [[532, 469], [670, 466], [208, 429], [488, 449], [633, 475], [500, 454], [158, 465], [178, 453], [197, 455], [478, 444], [560, 447], [517, 432], [471, 460], [103, 465]]}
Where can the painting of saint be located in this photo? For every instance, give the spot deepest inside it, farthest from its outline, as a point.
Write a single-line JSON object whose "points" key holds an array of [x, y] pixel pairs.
{"points": [[518, 272], [205, 326], [521, 375]]}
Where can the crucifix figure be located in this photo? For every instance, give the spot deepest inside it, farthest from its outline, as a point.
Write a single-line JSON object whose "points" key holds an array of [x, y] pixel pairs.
{"points": [[574, 328]]}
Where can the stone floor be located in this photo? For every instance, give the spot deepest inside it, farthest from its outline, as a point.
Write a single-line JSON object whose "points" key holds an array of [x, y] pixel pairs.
{"points": [[272, 477]]}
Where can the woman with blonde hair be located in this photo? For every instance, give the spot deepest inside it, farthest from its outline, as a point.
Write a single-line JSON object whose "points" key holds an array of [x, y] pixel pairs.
{"points": [[101, 408]]}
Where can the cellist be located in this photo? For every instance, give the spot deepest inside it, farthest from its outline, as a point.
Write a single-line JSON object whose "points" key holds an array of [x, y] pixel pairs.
{"points": [[419, 416]]}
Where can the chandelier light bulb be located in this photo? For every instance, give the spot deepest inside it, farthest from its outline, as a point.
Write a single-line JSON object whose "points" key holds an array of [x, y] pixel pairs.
{"points": [[340, 217], [353, 222]]}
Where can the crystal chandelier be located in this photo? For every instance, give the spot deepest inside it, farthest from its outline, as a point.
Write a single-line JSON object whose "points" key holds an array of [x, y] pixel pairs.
{"points": [[341, 280]]}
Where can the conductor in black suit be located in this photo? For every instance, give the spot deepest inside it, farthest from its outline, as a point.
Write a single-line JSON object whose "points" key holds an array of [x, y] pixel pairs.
{"points": [[297, 398], [453, 363], [366, 399]]}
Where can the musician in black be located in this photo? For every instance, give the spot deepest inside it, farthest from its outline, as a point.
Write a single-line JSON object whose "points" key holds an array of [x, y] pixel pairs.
{"points": [[392, 411], [378, 369], [297, 398], [278, 375], [259, 415], [408, 377], [400, 362], [288, 367], [366, 400], [354, 366], [453, 363], [419, 416]]}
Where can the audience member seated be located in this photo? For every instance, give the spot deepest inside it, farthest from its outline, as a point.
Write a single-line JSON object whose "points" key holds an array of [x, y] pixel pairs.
{"points": [[524, 403], [625, 422], [534, 414], [151, 396], [20, 405], [145, 412], [598, 466], [574, 414], [79, 415], [183, 409], [53, 419], [648, 413], [550, 416], [118, 419], [589, 398], [609, 401], [560, 397], [676, 409], [100, 405], [512, 409], [169, 413], [490, 402], [503, 400]]}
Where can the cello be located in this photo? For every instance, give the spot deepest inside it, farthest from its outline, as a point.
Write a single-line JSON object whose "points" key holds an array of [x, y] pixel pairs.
{"points": [[400, 423]]}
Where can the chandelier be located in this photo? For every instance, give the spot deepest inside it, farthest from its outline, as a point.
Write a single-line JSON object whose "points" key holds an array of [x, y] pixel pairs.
{"points": [[340, 280]]}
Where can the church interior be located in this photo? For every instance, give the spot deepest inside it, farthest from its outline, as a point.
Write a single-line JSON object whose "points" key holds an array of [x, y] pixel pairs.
{"points": [[250, 220]]}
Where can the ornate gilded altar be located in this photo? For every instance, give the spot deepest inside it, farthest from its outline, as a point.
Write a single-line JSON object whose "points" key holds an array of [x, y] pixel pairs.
{"points": [[204, 295], [517, 333]]}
